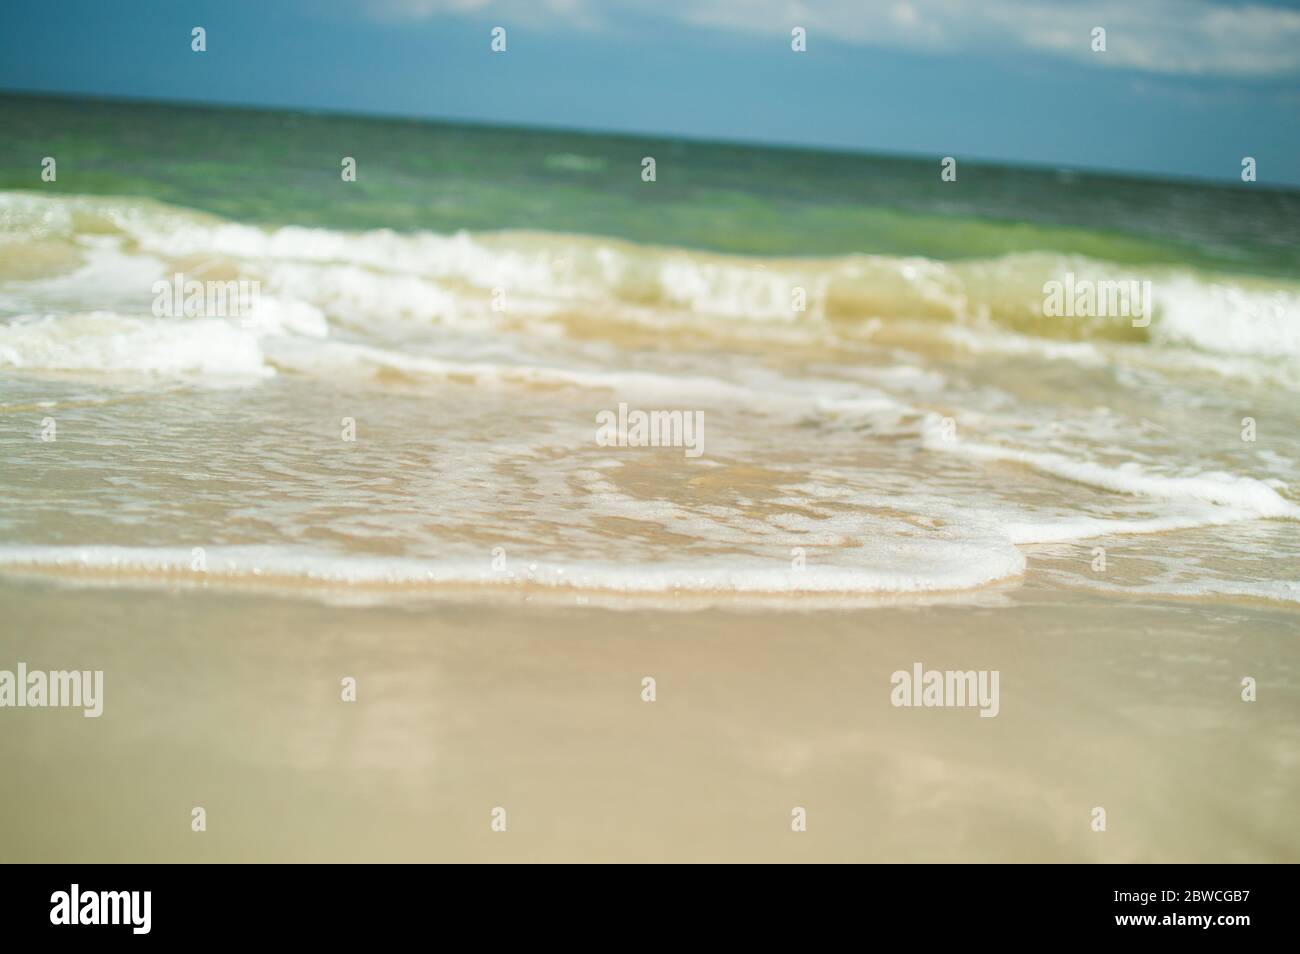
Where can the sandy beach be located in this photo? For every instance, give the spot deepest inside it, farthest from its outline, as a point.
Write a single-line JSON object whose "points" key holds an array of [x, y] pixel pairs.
{"points": [[232, 702]]}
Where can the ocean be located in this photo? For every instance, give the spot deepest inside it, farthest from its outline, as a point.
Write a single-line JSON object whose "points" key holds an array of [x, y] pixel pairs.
{"points": [[770, 402]]}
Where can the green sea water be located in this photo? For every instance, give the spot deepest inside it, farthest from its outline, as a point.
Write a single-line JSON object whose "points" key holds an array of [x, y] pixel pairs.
{"points": [[280, 168]]}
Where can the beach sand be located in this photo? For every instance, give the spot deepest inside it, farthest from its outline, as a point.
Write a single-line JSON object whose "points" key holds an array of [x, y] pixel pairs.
{"points": [[232, 702]]}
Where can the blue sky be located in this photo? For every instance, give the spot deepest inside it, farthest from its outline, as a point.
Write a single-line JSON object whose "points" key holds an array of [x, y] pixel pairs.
{"points": [[1185, 87]]}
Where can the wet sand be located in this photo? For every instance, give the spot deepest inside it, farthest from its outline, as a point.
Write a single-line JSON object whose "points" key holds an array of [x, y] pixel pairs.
{"points": [[231, 701]]}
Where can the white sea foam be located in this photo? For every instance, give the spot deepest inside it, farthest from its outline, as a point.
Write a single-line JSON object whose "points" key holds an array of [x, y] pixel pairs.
{"points": [[383, 273], [994, 341], [1075, 528], [913, 566], [1229, 490], [105, 342], [1280, 591], [1227, 318], [770, 394]]}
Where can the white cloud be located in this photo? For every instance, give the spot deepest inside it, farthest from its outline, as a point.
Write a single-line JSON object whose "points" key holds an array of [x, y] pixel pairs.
{"points": [[531, 12], [1187, 37]]}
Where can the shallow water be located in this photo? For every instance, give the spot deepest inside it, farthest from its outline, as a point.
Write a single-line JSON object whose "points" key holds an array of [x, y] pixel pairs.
{"points": [[424, 409]]}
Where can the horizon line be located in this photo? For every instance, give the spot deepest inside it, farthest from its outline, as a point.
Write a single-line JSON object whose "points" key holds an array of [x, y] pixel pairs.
{"points": [[375, 116]]}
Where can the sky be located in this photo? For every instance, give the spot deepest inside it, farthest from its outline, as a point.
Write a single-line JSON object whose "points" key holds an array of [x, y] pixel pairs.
{"points": [[1183, 87]]}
